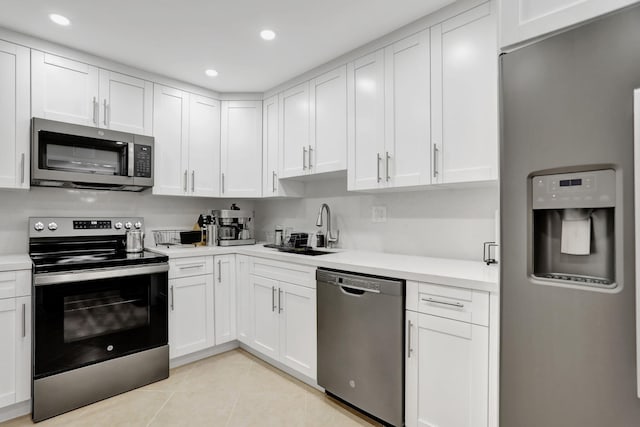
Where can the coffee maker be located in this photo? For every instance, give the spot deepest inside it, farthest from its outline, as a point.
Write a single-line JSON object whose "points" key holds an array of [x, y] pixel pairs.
{"points": [[233, 226]]}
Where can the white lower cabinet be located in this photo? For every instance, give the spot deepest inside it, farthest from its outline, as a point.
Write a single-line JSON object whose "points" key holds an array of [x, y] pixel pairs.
{"points": [[283, 322], [224, 298], [243, 303], [15, 336], [447, 369]]}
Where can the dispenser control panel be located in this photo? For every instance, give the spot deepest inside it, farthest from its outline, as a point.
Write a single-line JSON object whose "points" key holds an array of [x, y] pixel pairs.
{"points": [[593, 189]]}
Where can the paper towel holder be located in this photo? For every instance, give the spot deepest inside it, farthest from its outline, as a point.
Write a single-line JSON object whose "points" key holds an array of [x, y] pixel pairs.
{"points": [[583, 254]]}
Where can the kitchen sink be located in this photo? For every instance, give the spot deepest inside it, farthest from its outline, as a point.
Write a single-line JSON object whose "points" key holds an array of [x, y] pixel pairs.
{"points": [[307, 250]]}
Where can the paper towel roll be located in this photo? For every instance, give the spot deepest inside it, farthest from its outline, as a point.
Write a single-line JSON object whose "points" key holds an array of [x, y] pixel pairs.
{"points": [[576, 236]]}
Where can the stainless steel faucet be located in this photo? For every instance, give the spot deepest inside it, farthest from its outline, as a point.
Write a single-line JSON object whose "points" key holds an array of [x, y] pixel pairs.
{"points": [[331, 239]]}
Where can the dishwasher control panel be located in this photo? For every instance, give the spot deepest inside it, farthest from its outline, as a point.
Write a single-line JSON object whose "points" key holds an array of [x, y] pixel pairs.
{"points": [[358, 283]]}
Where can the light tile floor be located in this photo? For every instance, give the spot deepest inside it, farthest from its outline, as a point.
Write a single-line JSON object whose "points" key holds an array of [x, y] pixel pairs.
{"points": [[228, 390]]}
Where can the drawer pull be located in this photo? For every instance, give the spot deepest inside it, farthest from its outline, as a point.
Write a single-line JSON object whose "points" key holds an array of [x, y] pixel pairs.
{"points": [[435, 301], [188, 267]]}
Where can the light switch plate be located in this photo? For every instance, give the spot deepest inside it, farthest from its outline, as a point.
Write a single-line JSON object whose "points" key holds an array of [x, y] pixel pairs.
{"points": [[379, 214]]}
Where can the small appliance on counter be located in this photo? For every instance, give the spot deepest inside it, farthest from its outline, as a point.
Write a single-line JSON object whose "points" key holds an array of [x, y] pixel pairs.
{"points": [[233, 226]]}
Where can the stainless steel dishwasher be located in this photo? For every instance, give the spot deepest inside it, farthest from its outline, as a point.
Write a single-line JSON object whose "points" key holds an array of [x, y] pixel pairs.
{"points": [[361, 342]]}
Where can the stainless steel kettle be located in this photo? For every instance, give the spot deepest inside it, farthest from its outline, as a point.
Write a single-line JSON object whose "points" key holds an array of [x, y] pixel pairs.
{"points": [[135, 241]]}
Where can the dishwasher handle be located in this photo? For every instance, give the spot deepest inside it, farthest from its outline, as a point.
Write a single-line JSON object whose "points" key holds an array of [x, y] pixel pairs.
{"points": [[356, 290]]}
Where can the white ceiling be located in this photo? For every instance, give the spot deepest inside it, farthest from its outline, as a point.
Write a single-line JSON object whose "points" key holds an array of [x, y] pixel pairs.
{"points": [[182, 38]]}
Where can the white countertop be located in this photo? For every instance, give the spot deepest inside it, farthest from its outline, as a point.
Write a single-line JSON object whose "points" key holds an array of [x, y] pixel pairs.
{"points": [[452, 272], [13, 262]]}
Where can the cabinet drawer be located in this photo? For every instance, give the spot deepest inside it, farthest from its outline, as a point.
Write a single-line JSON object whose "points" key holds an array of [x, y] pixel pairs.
{"points": [[286, 272], [15, 283], [450, 302], [186, 267]]}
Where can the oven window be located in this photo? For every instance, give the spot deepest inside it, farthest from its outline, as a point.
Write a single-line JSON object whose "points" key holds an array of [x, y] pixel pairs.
{"points": [[85, 322], [72, 153], [99, 313]]}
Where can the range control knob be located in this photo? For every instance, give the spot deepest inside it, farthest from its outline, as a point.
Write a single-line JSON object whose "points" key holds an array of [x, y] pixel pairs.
{"points": [[38, 226], [137, 225], [117, 225], [53, 226], [127, 225]]}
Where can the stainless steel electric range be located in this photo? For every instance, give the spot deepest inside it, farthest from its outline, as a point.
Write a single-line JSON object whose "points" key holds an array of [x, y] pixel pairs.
{"points": [[100, 317]]}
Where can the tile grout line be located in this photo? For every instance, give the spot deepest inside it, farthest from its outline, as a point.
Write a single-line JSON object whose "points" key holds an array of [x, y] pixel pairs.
{"points": [[160, 409]]}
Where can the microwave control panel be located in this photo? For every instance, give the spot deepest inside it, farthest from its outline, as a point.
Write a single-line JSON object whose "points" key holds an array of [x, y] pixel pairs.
{"points": [[142, 161]]}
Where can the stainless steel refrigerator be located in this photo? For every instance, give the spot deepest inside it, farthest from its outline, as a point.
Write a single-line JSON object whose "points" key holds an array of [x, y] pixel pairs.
{"points": [[568, 331]]}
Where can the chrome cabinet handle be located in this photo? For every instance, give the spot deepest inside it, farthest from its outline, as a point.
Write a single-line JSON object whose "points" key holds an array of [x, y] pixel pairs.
{"points": [[273, 184], [222, 182], [106, 108], [310, 164], [172, 298], [304, 158], [387, 167], [409, 349], [219, 271], [279, 300], [273, 298], [189, 267], [185, 180], [378, 158], [435, 301], [22, 168], [95, 111], [24, 320], [435, 160], [193, 181]]}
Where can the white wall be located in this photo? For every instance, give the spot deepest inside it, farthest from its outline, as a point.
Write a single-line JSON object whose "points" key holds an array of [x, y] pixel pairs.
{"points": [[160, 212], [439, 223]]}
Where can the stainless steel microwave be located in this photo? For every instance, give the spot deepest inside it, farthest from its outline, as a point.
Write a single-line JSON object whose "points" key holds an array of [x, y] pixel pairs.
{"points": [[75, 156]]}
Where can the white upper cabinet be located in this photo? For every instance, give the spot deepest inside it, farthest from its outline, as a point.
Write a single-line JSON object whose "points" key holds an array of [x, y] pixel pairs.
{"points": [[171, 110], [464, 99], [204, 146], [126, 103], [75, 92], [365, 78], [328, 122], [225, 298], [187, 143], [241, 149], [271, 184], [522, 20], [14, 116], [407, 116], [294, 135]]}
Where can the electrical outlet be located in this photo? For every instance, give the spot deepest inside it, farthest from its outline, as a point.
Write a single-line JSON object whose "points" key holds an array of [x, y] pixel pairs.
{"points": [[379, 214]]}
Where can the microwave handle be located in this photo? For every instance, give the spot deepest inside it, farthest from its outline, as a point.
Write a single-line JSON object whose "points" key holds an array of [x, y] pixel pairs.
{"points": [[130, 158]]}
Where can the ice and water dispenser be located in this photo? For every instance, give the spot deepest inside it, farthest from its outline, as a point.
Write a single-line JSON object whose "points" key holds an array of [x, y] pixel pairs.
{"points": [[574, 229]]}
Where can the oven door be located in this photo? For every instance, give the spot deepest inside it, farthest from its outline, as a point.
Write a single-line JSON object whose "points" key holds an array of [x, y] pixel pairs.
{"points": [[86, 317]]}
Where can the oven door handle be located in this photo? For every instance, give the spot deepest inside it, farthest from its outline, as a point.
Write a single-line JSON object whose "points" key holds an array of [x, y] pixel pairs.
{"points": [[42, 279], [131, 157]]}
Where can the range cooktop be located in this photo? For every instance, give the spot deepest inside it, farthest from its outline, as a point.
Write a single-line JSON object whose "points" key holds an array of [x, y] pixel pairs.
{"points": [[70, 261]]}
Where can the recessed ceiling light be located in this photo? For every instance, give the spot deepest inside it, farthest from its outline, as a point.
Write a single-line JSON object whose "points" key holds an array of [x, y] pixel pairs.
{"points": [[59, 19], [211, 73], [267, 34]]}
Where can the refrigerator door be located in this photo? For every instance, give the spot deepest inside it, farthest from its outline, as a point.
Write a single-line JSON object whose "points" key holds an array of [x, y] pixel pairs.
{"points": [[568, 356]]}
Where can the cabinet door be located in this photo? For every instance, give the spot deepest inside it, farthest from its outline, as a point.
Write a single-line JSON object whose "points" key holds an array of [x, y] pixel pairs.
{"points": [[264, 315], [525, 19], [225, 298], [465, 97], [452, 370], [243, 298], [408, 112], [204, 146], [126, 103], [64, 90], [328, 121], [241, 161], [170, 129], [14, 116], [365, 78], [15, 357], [297, 307], [294, 138], [190, 314], [270, 135]]}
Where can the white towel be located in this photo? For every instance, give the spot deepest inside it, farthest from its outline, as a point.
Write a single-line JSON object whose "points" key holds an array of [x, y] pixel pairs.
{"points": [[576, 236]]}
